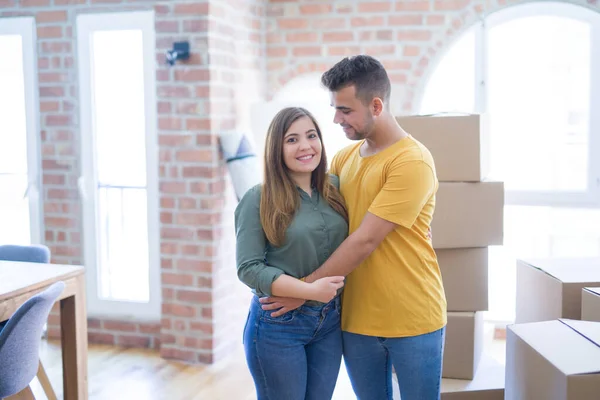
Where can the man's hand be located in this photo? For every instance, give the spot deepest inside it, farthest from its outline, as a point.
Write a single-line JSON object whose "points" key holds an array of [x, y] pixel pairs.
{"points": [[281, 304]]}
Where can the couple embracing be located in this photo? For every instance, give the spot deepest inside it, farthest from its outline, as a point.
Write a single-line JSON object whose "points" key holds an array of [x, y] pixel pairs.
{"points": [[341, 261]]}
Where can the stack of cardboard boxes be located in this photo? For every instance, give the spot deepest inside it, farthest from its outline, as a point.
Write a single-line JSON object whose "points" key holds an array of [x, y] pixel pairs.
{"points": [[468, 218], [553, 349]]}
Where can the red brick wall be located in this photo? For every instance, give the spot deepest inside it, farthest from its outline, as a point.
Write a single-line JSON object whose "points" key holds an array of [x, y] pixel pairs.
{"points": [[407, 35], [195, 101], [201, 315]]}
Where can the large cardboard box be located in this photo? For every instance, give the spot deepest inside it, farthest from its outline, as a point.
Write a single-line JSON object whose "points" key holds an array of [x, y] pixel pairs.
{"points": [[463, 346], [465, 277], [550, 288], [590, 304], [459, 144], [468, 215], [553, 360]]}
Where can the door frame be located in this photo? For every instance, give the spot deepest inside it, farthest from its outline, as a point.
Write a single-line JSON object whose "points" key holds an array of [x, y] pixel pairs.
{"points": [[88, 183]]}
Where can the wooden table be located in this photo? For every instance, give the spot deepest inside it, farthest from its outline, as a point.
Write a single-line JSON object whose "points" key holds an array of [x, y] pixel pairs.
{"points": [[19, 281]]}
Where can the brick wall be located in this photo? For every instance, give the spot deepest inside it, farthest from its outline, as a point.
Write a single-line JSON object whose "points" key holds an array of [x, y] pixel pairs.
{"points": [[195, 101], [201, 313], [406, 35]]}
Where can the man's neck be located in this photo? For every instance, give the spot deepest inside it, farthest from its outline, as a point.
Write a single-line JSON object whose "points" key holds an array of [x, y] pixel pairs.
{"points": [[386, 133]]}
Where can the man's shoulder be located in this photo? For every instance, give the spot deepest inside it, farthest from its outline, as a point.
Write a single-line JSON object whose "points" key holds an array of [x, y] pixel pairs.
{"points": [[414, 151]]}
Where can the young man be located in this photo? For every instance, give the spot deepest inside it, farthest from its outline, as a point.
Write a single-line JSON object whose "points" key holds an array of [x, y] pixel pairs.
{"points": [[393, 305]]}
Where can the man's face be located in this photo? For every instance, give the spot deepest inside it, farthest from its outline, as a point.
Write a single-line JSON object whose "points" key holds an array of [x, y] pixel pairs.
{"points": [[351, 114]]}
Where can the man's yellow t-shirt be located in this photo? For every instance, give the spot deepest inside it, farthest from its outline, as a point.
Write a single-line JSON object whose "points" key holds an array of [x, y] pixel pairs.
{"points": [[397, 291]]}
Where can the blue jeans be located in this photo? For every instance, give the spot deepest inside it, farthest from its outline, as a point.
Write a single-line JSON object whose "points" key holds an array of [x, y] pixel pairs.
{"points": [[417, 361], [297, 355]]}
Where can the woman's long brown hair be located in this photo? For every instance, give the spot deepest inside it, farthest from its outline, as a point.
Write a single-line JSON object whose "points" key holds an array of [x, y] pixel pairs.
{"points": [[279, 195]]}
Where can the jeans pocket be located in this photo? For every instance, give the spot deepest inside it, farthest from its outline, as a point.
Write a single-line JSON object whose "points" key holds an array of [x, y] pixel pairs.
{"points": [[286, 318]]}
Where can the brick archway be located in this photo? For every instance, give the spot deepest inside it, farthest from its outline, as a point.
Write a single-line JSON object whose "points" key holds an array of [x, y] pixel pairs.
{"points": [[409, 40]]}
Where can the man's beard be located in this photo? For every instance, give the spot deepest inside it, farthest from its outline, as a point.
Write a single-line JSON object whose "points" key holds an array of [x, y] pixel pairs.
{"points": [[365, 132]]}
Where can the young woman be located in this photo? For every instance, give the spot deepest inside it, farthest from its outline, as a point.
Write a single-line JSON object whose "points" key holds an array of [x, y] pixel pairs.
{"points": [[286, 228]]}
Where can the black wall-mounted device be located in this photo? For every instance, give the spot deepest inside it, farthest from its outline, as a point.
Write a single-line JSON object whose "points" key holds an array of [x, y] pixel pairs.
{"points": [[180, 51]]}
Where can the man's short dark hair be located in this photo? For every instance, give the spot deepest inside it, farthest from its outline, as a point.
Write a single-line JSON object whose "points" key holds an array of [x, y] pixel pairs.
{"points": [[364, 72]]}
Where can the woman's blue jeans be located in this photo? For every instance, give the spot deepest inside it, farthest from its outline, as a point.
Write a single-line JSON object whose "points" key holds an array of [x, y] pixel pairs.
{"points": [[296, 356]]}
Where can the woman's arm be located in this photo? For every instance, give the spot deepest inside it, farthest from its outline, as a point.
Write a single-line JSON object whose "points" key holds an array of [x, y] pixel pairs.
{"points": [[251, 243]]}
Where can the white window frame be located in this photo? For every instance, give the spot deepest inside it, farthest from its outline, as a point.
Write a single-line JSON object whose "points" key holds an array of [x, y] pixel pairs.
{"points": [[591, 197], [26, 28], [88, 184]]}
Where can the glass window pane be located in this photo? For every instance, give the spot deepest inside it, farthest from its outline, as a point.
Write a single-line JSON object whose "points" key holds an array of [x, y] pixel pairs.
{"points": [[123, 240], [451, 87], [118, 107], [13, 136], [538, 81]]}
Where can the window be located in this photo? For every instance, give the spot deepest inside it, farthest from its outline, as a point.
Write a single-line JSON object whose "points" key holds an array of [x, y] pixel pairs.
{"points": [[542, 103], [535, 69], [20, 207], [119, 180]]}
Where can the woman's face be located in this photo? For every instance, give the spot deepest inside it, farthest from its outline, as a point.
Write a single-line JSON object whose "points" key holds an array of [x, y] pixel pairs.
{"points": [[302, 147]]}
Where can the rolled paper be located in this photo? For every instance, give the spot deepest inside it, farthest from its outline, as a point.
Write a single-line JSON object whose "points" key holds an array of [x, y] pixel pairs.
{"points": [[242, 163]]}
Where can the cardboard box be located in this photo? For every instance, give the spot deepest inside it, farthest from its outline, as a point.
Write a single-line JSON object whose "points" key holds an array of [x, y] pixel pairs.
{"points": [[487, 384], [468, 215], [553, 360], [463, 346], [459, 144], [549, 289], [465, 277], [590, 304]]}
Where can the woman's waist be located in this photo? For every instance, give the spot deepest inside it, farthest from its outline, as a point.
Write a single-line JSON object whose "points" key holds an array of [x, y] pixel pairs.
{"points": [[311, 307]]}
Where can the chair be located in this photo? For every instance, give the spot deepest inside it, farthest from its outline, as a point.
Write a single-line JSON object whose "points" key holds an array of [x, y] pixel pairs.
{"points": [[20, 341], [37, 254]]}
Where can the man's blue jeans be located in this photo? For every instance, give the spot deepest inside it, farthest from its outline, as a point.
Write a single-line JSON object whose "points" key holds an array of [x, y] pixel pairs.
{"points": [[417, 361], [297, 355]]}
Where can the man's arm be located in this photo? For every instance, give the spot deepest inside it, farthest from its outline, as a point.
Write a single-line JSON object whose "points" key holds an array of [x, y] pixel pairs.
{"points": [[356, 248], [407, 189]]}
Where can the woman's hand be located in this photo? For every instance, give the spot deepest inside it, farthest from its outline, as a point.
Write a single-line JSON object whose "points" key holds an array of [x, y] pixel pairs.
{"points": [[325, 289]]}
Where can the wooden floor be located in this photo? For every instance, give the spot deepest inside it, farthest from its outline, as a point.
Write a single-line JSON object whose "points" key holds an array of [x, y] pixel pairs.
{"points": [[140, 374]]}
